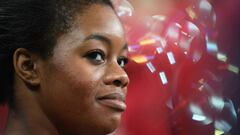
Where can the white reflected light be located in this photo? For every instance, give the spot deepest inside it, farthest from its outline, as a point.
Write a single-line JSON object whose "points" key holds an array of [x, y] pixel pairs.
{"points": [[216, 102], [173, 32], [196, 56], [159, 50], [195, 109], [163, 78], [185, 43], [218, 132], [133, 48], [170, 103], [171, 58], [123, 8], [212, 47], [221, 57], [198, 114], [151, 67], [205, 5], [192, 29], [199, 117], [233, 69], [222, 125]]}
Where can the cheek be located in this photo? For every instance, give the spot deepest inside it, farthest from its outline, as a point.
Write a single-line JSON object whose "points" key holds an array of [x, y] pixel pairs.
{"points": [[74, 83], [80, 80], [69, 89]]}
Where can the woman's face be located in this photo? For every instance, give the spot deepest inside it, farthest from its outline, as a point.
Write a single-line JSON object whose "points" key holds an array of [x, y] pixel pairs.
{"points": [[84, 85]]}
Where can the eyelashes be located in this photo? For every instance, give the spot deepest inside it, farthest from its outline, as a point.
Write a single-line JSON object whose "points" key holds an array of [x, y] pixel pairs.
{"points": [[98, 57], [122, 61]]}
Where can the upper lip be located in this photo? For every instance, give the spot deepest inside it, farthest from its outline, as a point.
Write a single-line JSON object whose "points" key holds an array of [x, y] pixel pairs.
{"points": [[113, 96]]}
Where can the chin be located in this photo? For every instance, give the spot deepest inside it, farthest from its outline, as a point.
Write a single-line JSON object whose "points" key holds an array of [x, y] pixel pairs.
{"points": [[112, 124]]}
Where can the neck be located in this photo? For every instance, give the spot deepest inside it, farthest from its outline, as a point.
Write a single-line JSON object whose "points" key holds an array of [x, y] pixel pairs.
{"points": [[27, 117]]}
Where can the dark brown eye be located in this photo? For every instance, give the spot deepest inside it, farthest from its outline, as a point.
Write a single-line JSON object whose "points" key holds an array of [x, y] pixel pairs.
{"points": [[122, 61], [96, 56]]}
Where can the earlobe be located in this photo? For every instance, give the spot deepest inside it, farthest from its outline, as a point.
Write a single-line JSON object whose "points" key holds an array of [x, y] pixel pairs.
{"points": [[25, 65]]}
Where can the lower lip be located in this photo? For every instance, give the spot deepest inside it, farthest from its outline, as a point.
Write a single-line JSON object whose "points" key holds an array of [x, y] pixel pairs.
{"points": [[114, 104]]}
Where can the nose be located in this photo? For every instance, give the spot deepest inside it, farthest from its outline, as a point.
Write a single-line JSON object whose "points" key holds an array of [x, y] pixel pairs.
{"points": [[115, 75]]}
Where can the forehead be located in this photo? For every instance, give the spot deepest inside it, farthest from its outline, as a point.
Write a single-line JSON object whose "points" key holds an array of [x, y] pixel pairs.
{"points": [[99, 19]]}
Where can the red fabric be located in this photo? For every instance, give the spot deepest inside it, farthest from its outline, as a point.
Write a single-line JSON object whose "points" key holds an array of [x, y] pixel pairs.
{"points": [[3, 117]]}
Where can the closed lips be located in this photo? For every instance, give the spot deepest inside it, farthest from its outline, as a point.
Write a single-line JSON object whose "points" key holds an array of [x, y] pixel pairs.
{"points": [[115, 101]]}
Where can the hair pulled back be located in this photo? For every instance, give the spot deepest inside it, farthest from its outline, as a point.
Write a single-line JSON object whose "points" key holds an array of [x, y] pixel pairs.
{"points": [[34, 25]]}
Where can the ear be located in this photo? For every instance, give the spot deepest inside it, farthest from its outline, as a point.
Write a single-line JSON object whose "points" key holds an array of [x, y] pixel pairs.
{"points": [[25, 65]]}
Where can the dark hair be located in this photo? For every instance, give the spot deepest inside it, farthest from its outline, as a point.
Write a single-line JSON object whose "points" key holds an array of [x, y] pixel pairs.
{"points": [[34, 25]]}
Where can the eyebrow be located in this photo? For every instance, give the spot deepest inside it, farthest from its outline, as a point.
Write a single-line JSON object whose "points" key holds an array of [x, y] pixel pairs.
{"points": [[98, 37], [104, 39]]}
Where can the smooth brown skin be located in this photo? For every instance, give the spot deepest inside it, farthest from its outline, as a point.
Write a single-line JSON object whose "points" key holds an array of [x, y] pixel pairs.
{"points": [[58, 95]]}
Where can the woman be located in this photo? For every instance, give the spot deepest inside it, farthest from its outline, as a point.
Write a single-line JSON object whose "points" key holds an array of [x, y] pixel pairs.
{"points": [[62, 67]]}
